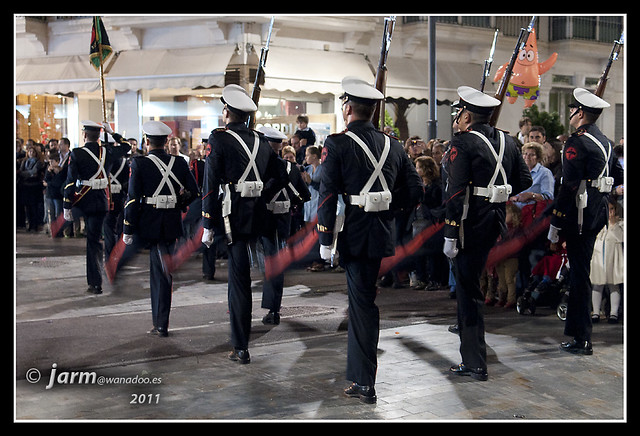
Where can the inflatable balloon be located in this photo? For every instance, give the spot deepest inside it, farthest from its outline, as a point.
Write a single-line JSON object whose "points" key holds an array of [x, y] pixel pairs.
{"points": [[525, 78]]}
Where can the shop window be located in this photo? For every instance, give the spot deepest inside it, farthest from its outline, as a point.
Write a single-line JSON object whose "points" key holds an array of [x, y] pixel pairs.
{"points": [[42, 117]]}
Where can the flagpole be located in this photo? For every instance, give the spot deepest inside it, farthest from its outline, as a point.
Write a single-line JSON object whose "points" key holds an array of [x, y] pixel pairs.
{"points": [[98, 29], [104, 103]]}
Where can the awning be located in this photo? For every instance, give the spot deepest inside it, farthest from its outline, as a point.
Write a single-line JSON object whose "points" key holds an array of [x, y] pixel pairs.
{"points": [[409, 78], [50, 75], [301, 70], [171, 68]]}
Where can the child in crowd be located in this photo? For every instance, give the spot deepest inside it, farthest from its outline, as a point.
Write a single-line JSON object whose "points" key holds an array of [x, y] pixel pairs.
{"points": [[607, 264]]}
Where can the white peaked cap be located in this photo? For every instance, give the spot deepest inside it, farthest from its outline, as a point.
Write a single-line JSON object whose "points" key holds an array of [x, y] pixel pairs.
{"points": [[237, 98], [156, 128], [360, 90], [272, 133], [476, 101], [91, 124], [588, 101]]}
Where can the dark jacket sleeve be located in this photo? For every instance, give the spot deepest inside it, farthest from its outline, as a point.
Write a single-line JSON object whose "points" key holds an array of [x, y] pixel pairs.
{"points": [[330, 182], [458, 171], [213, 166], [134, 196]]}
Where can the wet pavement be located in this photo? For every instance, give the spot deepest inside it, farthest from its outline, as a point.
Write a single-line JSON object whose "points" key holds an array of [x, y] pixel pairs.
{"points": [[84, 357]]}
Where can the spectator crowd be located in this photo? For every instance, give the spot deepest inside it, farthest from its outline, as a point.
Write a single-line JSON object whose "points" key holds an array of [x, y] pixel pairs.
{"points": [[41, 171]]}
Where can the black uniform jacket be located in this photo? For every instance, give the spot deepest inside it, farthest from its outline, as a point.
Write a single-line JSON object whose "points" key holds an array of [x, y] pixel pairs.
{"points": [[582, 159], [345, 170], [225, 164], [82, 167], [471, 164], [146, 220]]}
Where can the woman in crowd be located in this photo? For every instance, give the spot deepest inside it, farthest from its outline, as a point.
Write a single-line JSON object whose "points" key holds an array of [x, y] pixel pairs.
{"points": [[31, 175]]}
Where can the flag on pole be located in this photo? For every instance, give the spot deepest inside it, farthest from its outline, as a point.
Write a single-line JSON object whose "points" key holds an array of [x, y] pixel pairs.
{"points": [[100, 45]]}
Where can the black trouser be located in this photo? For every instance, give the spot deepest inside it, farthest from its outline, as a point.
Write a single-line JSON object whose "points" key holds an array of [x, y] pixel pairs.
{"points": [[469, 264], [579, 251], [93, 226], [364, 320], [161, 283], [112, 230], [239, 294], [272, 289]]}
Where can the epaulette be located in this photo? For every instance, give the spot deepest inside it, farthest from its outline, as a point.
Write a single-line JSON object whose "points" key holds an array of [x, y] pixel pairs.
{"points": [[502, 130]]}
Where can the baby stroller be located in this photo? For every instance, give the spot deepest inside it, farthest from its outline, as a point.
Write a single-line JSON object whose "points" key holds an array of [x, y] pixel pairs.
{"points": [[549, 285]]}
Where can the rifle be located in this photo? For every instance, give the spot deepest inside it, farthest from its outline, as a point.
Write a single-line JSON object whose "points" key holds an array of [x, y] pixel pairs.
{"points": [[255, 94], [381, 74], [488, 62], [615, 51], [502, 88]]}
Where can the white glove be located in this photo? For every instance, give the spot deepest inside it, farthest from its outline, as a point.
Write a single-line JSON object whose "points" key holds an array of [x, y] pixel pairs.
{"points": [[67, 215], [107, 128], [127, 239], [553, 234], [325, 252], [450, 249], [207, 237]]}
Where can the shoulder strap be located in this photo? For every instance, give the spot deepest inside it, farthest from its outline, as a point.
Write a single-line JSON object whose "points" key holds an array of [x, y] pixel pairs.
{"points": [[498, 156], [377, 171], [607, 155], [166, 172], [252, 155], [100, 162]]}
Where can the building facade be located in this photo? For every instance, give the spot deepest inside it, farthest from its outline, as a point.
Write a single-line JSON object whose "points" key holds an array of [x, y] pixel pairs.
{"points": [[172, 68]]}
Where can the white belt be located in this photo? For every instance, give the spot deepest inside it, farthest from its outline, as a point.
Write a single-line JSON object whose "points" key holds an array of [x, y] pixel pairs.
{"points": [[495, 193], [372, 201], [95, 183], [249, 189], [603, 184], [162, 201]]}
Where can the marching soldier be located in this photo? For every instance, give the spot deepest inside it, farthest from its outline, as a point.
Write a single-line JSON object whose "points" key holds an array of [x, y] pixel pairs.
{"points": [[279, 207], [589, 172], [374, 176], [484, 165], [118, 185], [160, 188], [242, 163], [193, 218], [87, 190]]}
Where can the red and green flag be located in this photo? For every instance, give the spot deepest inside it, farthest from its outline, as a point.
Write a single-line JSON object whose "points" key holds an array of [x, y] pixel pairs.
{"points": [[100, 45]]}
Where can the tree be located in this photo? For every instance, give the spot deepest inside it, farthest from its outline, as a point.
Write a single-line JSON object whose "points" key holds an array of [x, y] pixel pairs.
{"points": [[388, 121], [550, 121]]}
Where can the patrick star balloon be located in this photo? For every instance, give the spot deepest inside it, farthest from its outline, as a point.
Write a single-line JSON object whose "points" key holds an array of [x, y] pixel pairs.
{"points": [[525, 78]]}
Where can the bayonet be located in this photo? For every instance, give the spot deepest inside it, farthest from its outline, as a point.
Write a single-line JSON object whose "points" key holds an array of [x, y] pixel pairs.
{"points": [[255, 95], [489, 61], [381, 74], [615, 52]]}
